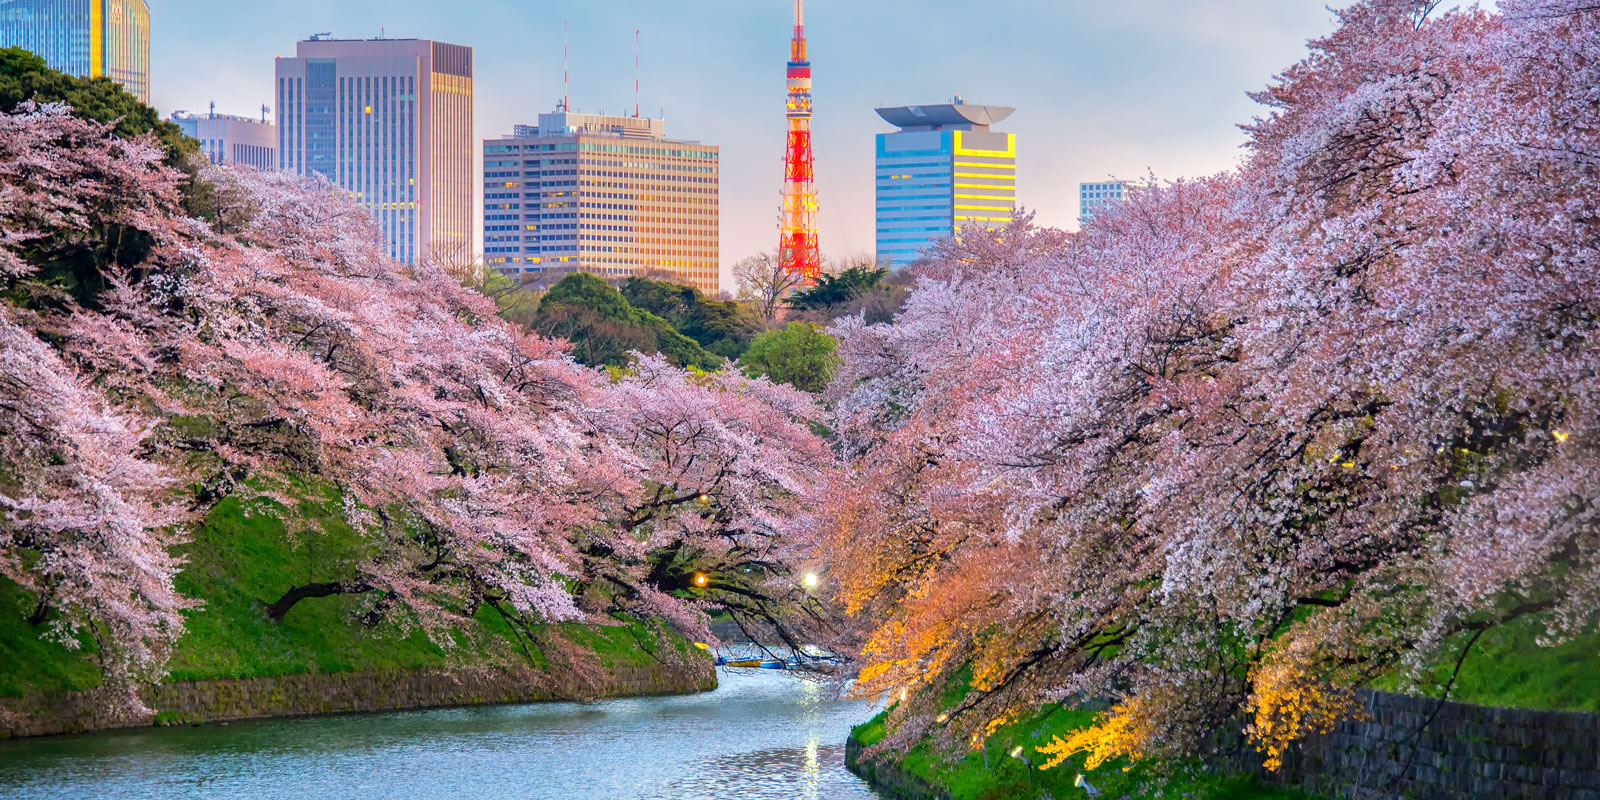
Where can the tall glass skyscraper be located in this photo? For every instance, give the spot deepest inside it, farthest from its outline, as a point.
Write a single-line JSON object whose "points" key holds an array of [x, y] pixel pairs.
{"points": [[86, 38], [612, 196], [942, 171], [390, 121]]}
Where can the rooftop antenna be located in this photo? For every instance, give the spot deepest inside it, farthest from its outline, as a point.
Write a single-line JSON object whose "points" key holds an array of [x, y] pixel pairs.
{"points": [[636, 113], [264, 110], [382, 32], [566, 69], [213, 109]]}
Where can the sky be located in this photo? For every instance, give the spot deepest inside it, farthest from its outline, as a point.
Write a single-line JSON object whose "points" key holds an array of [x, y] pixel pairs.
{"points": [[1102, 88]]}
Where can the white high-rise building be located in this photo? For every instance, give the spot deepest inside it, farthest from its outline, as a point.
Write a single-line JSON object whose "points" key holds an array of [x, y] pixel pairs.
{"points": [[390, 121]]}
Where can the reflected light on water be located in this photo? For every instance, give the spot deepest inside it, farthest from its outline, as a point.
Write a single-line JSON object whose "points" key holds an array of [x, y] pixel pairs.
{"points": [[760, 736]]}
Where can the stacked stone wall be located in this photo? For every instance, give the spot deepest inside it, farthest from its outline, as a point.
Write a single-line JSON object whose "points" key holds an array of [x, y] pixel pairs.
{"points": [[193, 702], [1402, 748], [1412, 747]]}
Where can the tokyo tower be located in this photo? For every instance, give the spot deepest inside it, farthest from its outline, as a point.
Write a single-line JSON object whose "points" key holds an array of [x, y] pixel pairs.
{"points": [[798, 249]]}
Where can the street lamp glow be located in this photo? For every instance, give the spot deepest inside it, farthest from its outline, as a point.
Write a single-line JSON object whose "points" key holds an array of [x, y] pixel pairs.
{"points": [[811, 580], [700, 580]]}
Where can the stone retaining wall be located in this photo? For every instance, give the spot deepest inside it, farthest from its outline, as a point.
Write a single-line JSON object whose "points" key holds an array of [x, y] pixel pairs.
{"points": [[304, 695], [1465, 751], [1405, 748], [888, 778]]}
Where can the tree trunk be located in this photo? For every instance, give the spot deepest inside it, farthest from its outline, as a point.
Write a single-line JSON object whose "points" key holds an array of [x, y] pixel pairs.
{"points": [[41, 612], [277, 611]]}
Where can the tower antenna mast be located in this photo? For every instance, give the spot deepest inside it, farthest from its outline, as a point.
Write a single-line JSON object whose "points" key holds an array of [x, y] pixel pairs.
{"points": [[636, 113], [566, 69], [798, 247]]}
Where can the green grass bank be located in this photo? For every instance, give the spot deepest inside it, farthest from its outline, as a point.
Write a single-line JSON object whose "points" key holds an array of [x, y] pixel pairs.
{"points": [[991, 773], [240, 559], [1507, 668]]}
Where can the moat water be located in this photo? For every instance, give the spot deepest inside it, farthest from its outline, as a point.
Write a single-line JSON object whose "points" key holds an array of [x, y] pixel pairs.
{"points": [[756, 737]]}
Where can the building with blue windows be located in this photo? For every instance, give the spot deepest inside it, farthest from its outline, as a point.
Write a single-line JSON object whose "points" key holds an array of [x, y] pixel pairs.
{"points": [[390, 122], [1094, 196], [942, 171], [86, 38]]}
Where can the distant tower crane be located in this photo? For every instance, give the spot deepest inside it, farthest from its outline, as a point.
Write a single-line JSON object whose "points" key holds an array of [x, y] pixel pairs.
{"points": [[798, 247]]}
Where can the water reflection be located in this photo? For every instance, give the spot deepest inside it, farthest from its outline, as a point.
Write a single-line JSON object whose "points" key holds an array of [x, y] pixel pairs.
{"points": [[756, 737]]}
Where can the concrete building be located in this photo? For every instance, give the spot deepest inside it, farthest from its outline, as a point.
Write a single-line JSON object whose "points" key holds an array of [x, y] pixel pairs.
{"points": [[390, 121], [943, 170], [1094, 196], [612, 196], [86, 38], [232, 141]]}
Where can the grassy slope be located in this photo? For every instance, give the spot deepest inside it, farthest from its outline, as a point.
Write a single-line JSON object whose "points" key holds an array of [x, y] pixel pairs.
{"points": [[237, 563], [1004, 777], [1508, 668], [970, 778]]}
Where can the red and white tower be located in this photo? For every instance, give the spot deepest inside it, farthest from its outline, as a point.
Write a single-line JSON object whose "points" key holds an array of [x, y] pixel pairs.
{"points": [[798, 249]]}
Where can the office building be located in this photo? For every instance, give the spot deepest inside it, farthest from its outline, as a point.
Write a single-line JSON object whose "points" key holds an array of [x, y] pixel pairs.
{"points": [[232, 141], [945, 169], [390, 121], [612, 196], [86, 38], [1094, 196]]}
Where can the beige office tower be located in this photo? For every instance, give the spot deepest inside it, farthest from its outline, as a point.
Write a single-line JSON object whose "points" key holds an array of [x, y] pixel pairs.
{"points": [[86, 38], [390, 121], [612, 196]]}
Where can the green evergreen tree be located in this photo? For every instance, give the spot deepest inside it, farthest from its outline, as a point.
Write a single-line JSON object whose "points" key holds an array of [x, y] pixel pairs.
{"points": [[604, 327], [721, 327], [800, 355]]}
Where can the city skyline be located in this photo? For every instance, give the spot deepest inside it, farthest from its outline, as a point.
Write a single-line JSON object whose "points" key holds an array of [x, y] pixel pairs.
{"points": [[1101, 91]]}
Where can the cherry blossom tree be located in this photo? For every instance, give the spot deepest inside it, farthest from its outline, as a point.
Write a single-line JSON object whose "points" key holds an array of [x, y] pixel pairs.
{"points": [[1253, 440], [86, 517], [485, 466]]}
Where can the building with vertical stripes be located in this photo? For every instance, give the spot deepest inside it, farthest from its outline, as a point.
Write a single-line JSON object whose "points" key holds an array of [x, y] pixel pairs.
{"points": [[943, 170], [612, 196], [86, 38], [232, 141], [390, 121]]}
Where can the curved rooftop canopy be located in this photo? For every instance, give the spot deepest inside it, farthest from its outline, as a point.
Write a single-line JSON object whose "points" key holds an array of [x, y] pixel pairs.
{"points": [[949, 114]]}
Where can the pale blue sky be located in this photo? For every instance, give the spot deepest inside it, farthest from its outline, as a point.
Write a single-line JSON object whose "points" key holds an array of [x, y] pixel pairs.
{"points": [[1108, 87]]}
